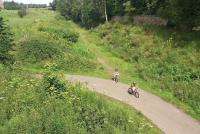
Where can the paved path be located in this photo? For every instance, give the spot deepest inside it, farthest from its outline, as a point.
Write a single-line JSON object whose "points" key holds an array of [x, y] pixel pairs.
{"points": [[164, 115]]}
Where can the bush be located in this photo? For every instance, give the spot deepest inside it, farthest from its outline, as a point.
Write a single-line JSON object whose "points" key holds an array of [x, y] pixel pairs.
{"points": [[76, 63], [66, 34], [76, 57], [53, 85], [37, 50], [72, 37], [22, 12]]}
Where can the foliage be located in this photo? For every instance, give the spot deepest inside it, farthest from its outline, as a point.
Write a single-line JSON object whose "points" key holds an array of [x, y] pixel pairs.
{"points": [[129, 9], [86, 12], [31, 105], [166, 59], [183, 14], [37, 5], [44, 37], [76, 62], [53, 5], [6, 42], [22, 12], [34, 50], [66, 34], [53, 86], [11, 5]]}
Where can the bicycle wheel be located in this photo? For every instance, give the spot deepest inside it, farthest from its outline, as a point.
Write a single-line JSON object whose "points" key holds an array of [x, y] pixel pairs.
{"points": [[137, 95]]}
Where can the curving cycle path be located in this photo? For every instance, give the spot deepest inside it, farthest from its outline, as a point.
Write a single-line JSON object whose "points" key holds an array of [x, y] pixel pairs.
{"points": [[164, 115]]}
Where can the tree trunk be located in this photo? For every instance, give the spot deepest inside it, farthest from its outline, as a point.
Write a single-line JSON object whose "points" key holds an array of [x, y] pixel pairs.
{"points": [[105, 6]]}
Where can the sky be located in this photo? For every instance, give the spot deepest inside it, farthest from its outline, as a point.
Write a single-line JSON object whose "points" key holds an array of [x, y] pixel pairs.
{"points": [[32, 1]]}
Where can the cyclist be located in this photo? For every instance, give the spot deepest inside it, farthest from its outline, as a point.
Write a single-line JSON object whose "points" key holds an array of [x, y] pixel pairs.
{"points": [[116, 75], [133, 86]]}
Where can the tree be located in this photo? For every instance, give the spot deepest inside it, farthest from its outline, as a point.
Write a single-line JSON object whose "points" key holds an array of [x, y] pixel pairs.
{"points": [[129, 9], [53, 5], [105, 10], [6, 43], [90, 15], [140, 6], [183, 14], [152, 6], [22, 12], [11, 5], [86, 12], [76, 10]]}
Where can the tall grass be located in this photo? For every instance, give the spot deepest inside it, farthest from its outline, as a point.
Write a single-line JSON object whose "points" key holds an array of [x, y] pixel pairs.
{"points": [[43, 37], [167, 60], [50, 105], [31, 104]]}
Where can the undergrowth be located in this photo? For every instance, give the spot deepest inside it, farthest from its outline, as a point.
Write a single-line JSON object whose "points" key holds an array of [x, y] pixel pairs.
{"points": [[51, 105], [167, 60], [44, 38]]}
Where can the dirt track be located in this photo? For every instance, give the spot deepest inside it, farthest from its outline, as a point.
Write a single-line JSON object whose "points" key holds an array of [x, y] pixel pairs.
{"points": [[164, 115]]}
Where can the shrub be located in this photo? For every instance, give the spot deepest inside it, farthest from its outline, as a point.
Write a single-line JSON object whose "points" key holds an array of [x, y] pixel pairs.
{"points": [[51, 67], [75, 63], [22, 12], [37, 50], [53, 85], [66, 34], [70, 36]]}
